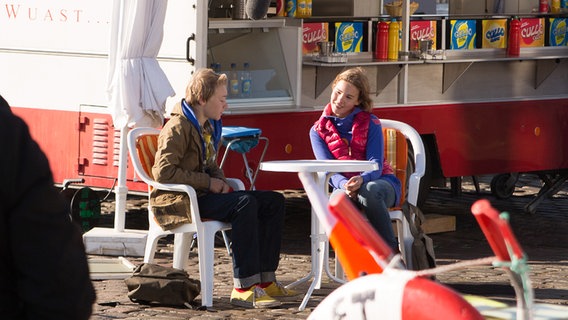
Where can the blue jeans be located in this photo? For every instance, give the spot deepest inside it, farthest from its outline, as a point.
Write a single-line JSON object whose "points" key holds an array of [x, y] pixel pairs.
{"points": [[375, 198], [256, 218]]}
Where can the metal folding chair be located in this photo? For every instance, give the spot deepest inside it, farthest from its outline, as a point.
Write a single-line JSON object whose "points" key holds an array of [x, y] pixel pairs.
{"points": [[242, 140]]}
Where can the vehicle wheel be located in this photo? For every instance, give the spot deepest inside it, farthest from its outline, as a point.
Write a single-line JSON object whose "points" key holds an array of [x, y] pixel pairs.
{"points": [[503, 185]]}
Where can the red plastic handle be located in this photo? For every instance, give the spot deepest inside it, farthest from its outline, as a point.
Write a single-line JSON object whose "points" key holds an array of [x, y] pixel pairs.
{"points": [[342, 208], [497, 231]]}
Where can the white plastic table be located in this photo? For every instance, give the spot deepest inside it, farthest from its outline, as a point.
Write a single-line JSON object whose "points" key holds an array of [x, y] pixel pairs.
{"points": [[318, 171]]}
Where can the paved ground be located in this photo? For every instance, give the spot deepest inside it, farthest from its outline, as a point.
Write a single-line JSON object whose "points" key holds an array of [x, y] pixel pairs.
{"points": [[544, 236]]}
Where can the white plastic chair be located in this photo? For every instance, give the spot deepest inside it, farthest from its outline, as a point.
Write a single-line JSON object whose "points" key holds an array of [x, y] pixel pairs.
{"points": [[412, 186], [182, 235]]}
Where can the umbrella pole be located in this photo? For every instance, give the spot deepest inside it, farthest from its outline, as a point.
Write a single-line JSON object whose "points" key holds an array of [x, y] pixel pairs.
{"points": [[117, 241], [121, 190]]}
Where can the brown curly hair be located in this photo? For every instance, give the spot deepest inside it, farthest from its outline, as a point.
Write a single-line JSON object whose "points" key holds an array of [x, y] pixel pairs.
{"points": [[357, 77], [203, 84]]}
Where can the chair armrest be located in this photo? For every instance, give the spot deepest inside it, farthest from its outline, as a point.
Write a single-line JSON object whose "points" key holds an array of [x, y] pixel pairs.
{"points": [[189, 190], [236, 184], [176, 187]]}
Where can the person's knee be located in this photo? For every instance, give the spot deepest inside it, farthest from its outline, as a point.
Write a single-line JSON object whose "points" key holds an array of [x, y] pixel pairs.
{"points": [[279, 198], [247, 204], [277, 203], [376, 192], [271, 199], [336, 193], [378, 188]]}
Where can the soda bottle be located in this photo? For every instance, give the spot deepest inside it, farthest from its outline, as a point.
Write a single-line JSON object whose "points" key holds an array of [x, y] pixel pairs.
{"points": [[514, 38], [399, 35], [308, 8], [216, 67], [234, 87], [543, 6], [301, 8], [382, 41], [393, 40], [246, 82], [281, 8], [555, 6]]}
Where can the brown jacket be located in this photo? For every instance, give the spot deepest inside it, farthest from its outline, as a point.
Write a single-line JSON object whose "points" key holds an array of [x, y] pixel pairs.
{"points": [[179, 159]]}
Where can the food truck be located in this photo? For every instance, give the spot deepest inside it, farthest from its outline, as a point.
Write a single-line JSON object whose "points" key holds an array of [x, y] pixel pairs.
{"points": [[478, 110]]}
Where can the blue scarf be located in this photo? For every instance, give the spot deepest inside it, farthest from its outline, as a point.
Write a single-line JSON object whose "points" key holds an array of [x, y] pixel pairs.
{"points": [[217, 126]]}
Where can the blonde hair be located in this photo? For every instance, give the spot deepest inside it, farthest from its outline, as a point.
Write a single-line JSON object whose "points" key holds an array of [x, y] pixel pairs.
{"points": [[357, 77], [203, 84]]}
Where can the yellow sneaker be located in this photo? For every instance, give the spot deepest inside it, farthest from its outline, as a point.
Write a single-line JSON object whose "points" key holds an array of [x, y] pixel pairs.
{"points": [[255, 297], [276, 289]]}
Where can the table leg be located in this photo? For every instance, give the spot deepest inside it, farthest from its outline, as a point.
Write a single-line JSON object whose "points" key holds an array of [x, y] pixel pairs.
{"points": [[339, 273], [307, 296], [339, 276], [314, 262], [319, 247], [300, 281], [317, 254], [319, 239]]}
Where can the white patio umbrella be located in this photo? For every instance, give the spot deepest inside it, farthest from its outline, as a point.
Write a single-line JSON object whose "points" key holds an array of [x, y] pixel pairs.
{"points": [[137, 86]]}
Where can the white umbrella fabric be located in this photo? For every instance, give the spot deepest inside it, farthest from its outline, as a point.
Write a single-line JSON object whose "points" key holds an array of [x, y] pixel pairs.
{"points": [[137, 86]]}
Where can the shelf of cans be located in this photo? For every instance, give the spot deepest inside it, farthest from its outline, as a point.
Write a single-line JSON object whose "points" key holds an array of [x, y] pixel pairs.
{"points": [[448, 33]]}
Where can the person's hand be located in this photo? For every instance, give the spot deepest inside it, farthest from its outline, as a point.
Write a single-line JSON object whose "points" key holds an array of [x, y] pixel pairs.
{"points": [[218, 186], [226, 187], [353, 185]]}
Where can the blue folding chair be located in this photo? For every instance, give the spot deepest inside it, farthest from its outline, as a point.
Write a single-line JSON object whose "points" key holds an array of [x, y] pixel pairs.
{"points": [[242, 140]]}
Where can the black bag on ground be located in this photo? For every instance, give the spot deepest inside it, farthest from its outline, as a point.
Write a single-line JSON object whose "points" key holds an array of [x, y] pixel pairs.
{"points": [[423, 256], [152, 283]]}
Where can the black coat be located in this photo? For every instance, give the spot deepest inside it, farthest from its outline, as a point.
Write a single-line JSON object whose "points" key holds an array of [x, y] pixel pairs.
{"points": [[43, 265]]}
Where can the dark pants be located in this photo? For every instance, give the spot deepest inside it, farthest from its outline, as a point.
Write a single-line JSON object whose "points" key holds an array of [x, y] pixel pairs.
{"points": [[375, 198], [256, 218]]}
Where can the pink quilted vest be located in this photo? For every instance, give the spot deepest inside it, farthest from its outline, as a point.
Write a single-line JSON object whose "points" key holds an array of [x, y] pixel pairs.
{"points": [[341, 148]]}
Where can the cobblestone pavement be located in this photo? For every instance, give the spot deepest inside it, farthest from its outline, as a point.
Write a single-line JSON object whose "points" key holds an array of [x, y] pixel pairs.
{"points": [[543, 235]]}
